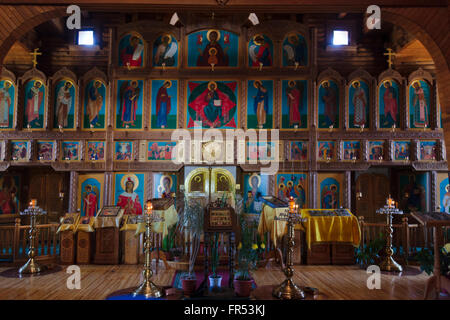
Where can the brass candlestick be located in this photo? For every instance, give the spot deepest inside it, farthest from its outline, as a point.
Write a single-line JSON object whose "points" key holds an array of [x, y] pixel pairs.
{"points": [[147, 288], [288, 290], [388, 263], [32, 266]]}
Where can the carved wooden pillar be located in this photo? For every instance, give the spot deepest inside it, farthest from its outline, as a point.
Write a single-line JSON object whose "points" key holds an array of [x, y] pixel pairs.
{"points": [[375, 118], [108, 197], [442, 154], [73, 189], [345, 122], [146, 111], [434, 203], [364, 150], [404, 112], [149, 186], [415, 150], [389, 151], [338, 151], [346, 203], [312, 189], [435, 116]]}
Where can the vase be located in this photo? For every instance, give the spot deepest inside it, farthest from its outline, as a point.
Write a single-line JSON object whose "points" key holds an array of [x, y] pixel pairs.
{"points": [[215, 282], [189, 286], [242, 288]]}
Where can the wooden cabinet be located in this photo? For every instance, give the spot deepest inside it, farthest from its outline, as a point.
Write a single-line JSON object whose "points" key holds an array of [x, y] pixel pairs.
{"points": [[107, 245], [342, 253], [67, 255], [84, 247], [130, 247], [319, 254]]}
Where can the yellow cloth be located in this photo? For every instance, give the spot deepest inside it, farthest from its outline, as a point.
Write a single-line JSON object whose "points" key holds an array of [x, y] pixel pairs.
{"points": [[170, 218], [267, 223], [331, 229], [104, 222], [68, 226]]}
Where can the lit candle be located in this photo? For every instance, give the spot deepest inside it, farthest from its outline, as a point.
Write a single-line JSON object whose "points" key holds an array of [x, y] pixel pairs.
{"points": [[149, 207], [33, 203], [291, 204]]}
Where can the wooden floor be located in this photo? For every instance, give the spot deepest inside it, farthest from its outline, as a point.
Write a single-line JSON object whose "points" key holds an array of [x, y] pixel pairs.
{"points": [[97, 282]]}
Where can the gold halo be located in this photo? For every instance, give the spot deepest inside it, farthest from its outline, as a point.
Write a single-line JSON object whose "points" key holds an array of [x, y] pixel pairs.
{"points": [[416, 81], [133, 178], [209, 33], [98, 82], [212, 82], [356, 81], [211, 50], [325, 82], [162, 179], [167, 35], [293, 82], [258, 36], [290, 183], [38, 82], [134, 84], [292, 35], [170, 83], [7, 84], [69, 82], [257, 177], [281, 186], [447, 187], [333, 185], [197, 179], [255, 82], [387, 81]]}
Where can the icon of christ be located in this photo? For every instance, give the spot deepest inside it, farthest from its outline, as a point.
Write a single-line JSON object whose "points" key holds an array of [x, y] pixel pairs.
{"points": [[214, 104]]}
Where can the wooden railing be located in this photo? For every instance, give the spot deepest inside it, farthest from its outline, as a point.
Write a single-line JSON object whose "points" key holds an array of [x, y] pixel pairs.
{"points": [[14, 242], [407, 237]]}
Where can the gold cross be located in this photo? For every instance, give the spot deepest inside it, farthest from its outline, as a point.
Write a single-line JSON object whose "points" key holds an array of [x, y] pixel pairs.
{"points": [[390, 54], [35, 53]]}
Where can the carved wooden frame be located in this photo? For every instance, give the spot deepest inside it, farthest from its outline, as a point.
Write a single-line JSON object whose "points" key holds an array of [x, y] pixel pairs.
{"points": [[393, 75], [330, 74], [361, 75], [423, 75], [246, 105], [10, 76], [33, 74], [61, 75], [92, 75]]}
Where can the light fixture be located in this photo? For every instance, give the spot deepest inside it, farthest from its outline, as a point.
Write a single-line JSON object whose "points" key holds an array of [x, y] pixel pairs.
{"points": [[253, 18], [174, 19], [340, 37], [86, 37]]}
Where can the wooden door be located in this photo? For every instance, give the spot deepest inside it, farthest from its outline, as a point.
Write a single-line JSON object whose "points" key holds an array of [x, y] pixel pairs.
{"points": [[45, 186], [375, 188]]}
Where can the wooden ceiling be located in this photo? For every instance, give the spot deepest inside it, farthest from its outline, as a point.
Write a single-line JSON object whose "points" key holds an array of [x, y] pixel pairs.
{"points": [[57, 43]]}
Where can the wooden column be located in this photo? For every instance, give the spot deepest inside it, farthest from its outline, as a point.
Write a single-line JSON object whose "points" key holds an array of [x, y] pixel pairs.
{"points": [[73, 191], [347, 201]]}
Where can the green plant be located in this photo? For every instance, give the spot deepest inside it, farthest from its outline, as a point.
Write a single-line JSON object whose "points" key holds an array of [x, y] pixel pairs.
{"points": [[192, 221], [369, 254], [426, 259], [169, 240], [214, 245], [248, 250]]}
